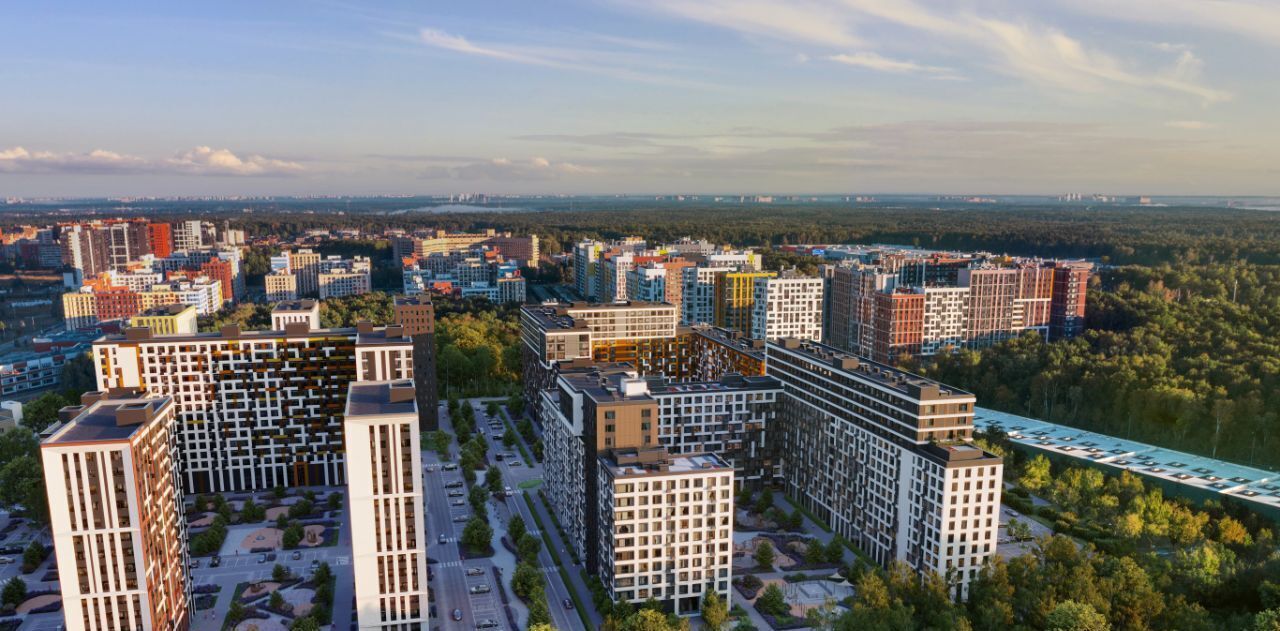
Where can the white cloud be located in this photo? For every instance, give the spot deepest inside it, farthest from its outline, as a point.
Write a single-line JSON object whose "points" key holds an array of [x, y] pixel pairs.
{"points": [[208, 161], [198, 161], [793, 20], [1021, 48], [1192, 125], [875, 61], [505, 169], [1256, 19], [459, 44]]}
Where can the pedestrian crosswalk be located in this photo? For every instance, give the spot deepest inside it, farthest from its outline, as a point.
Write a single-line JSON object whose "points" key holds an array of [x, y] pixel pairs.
{"points": [[449, 564]]}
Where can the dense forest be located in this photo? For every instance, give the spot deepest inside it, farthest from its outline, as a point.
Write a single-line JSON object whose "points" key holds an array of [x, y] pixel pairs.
{"points": [[1182, 356]]}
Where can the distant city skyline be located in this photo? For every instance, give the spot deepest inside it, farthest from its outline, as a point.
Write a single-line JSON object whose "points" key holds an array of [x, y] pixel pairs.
{"points": [[1140, 97]]}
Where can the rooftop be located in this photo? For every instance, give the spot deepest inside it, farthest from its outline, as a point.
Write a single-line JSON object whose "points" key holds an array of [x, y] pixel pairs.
{"points": [[295, 306], [909, 384], [1209, 475], [378, 398], [373, 335], [106, 417], [732, 338], [166, 310], [623, 463], [559, 315]]}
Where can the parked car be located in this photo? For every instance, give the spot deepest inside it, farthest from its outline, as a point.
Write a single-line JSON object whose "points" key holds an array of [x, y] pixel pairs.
{"points": [[475, 571], [456, 494], [194, 563], [6, 560], [516, 463], [461, 518], [297, 555], [498, 457], [454, 485], [271, 556], [215, 561], [487, 624], [481, 589], [457, 503], [262, 558]]}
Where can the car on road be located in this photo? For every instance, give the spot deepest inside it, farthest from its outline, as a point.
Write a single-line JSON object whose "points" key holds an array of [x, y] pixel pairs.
{"points": [[297, 555], [509, 492], [456, 494], [442, 539], [568, 604], [457, 615], [475, 571], [498, 457], [482, 588], [450, 467], [461, 518], [515, 463]]}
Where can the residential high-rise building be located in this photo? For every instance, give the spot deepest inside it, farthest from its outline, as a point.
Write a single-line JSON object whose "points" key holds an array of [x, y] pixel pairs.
{"points": [[305, 264], [161, 237], [115, 514], [256, 409], [84, 248], [384, 484], [281, 285], [886, 458], [735, 295], [787, 306], [665, 527], [127, 241], [188, 235], [586, 256], [417, 316], [948, 301], [295, 311]]}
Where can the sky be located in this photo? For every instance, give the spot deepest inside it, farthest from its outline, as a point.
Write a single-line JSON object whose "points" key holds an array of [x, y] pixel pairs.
{"points": [[1161, 97]]}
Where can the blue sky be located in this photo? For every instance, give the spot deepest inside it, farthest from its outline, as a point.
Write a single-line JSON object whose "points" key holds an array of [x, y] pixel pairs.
{"points": [[640, 96]]}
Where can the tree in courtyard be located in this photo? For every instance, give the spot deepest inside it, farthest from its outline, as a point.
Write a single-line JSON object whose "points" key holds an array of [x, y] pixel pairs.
{"points": [[528, 547], [276, 601], [835, 550], [538, 611], [322, 574], [279, 573], [305, 623], [333, 501], [493, 480], [33, 556], [525, 580], [714, 611], [477, 534], [772, 601], [292, 535], [764, 556], [43, 411], [14, 592], [1070, 615], [516, 528], [1035, 475]]}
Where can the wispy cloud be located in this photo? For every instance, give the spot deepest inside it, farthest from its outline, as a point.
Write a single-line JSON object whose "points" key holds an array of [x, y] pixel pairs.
{"points": [[1038, 54], [1191, 125], [626, 66], [201, 160], [1258, 20], [504, 169], [876, 61]]}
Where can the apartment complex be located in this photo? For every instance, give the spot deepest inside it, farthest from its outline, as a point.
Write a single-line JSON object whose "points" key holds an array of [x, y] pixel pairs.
{"points": [[524, 251], [481, 272], [98, 301], [645, 336], [665, 527], [305, 274], [885, 457], [115, 513], [256, 409], [886, 303], [384, 484]]}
